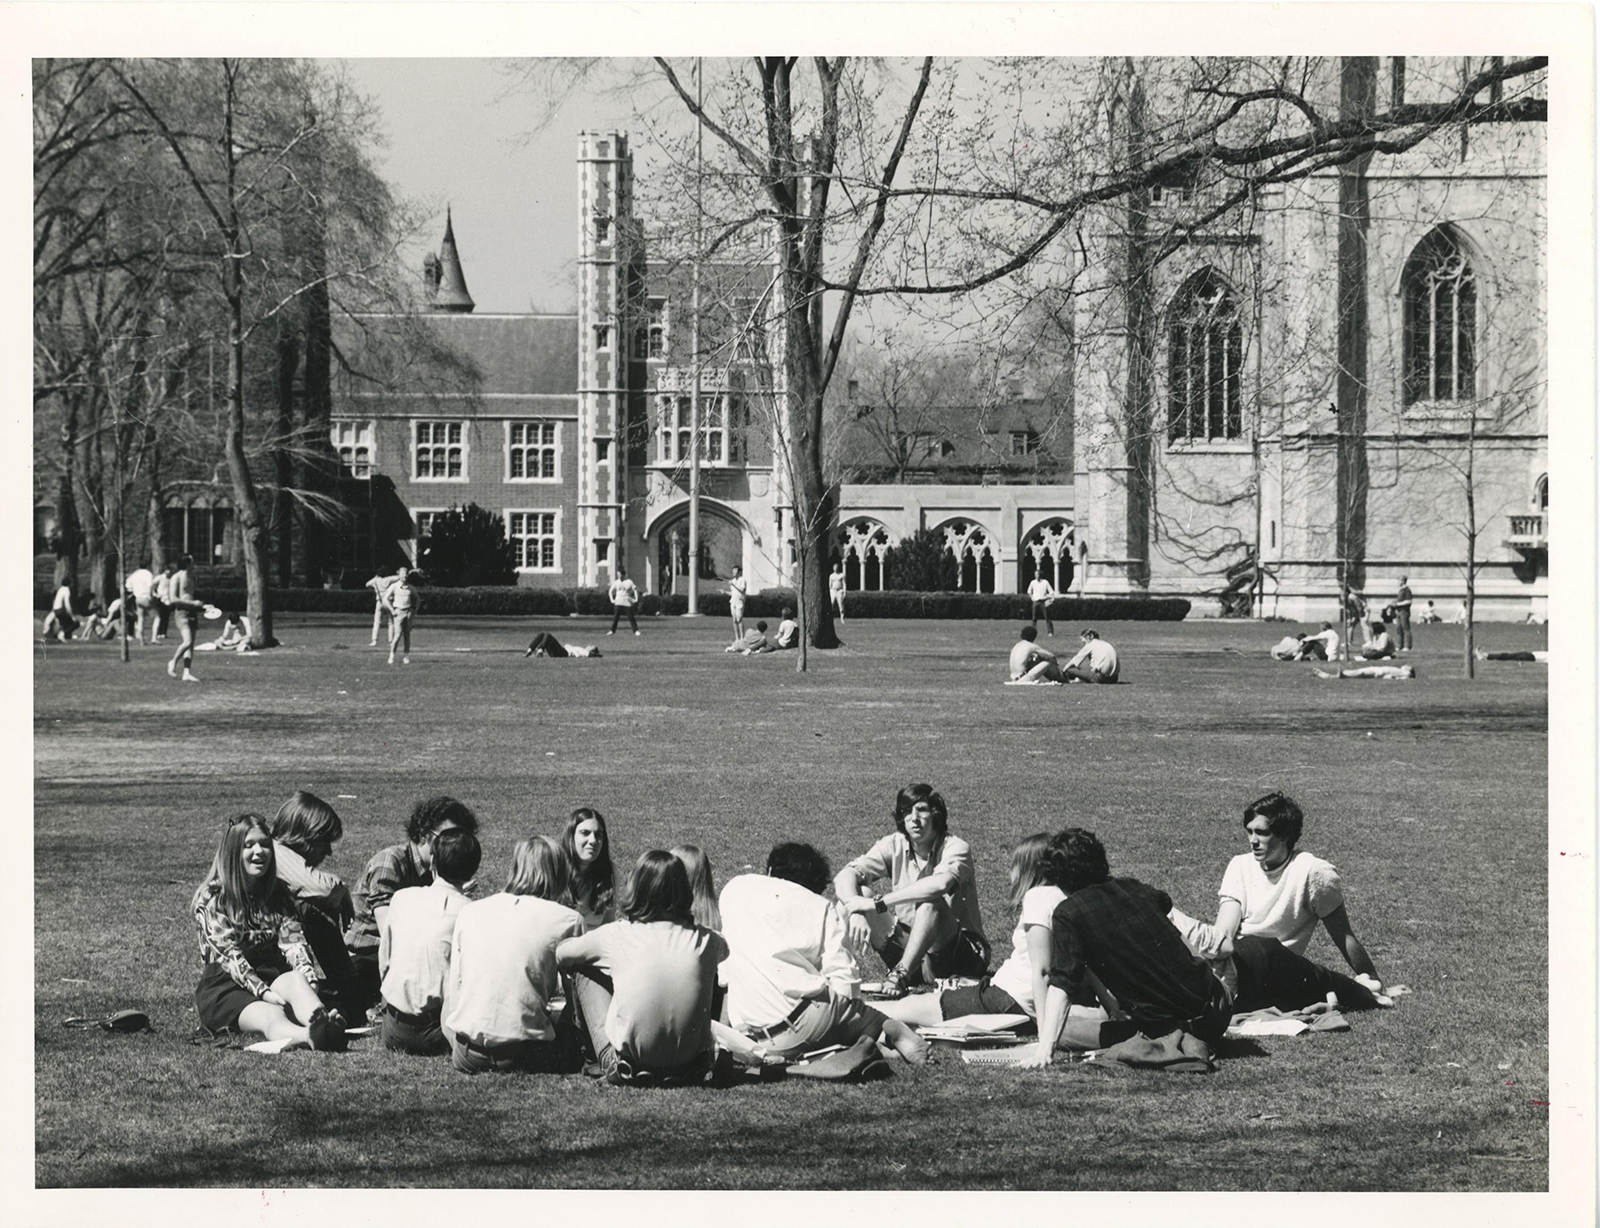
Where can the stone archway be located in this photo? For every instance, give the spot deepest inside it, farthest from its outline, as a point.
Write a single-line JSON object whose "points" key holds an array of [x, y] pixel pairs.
{"points": [[721, 549], [975, 553], [1048, 550], [862, 545]]}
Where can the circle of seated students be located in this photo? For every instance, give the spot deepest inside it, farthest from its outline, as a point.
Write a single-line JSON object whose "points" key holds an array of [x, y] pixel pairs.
{"points": [[659, 982]]}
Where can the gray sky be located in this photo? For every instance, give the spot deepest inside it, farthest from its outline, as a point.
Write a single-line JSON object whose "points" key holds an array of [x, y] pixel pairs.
{"points": [[453, 139]]}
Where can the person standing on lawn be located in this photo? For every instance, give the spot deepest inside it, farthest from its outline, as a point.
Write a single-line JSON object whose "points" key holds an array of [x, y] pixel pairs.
{"points": [[141, 583], [936, 929], [836, 589], [1041, 592], [624, 595], [792, 977], [379, 584], [738, 587], [162, 599], [390, 869], [403, 602], [1402, 614], [186, 610], [1096, 660], [1277, 892], [257, 966], [414, 948]]}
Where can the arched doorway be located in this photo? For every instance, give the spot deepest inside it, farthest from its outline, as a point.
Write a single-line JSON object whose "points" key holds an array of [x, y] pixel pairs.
{"points": [[975, 555], [1048, 550], [862, 545], [721, 550]]}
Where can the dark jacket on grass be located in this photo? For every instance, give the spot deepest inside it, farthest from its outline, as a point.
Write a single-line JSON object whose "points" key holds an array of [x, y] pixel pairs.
{"points": [[1119, 931]]}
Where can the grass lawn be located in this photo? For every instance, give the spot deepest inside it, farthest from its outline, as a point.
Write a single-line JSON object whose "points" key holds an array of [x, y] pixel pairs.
{"points": [[1430, 797]]}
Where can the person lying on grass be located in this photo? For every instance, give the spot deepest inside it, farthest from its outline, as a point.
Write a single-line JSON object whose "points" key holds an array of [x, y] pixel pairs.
{"points": [[502, 971], [544, 644], [1272, 899], [1369, 673], [399, 865], [414, 948], [792, 978], [1113, 934], [927, 925], [1022, 981], [644, 986], [1030, 663], [304, 831], [591, 875], [257, 969]]}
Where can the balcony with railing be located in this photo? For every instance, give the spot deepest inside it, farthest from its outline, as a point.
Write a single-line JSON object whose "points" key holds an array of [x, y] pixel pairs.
{"points": [[1527, 532]]}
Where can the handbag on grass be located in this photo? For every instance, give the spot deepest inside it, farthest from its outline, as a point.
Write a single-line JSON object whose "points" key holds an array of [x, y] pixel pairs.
{"points": [[117, 1021], [860, 1063]]}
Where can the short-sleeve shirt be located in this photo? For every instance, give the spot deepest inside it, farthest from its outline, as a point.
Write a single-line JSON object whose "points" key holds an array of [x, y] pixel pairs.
{"points": [[788, 632], [1285, 903], [623, 592], [892, 858], [664, 976], [1040, 590], [402, 597], [503, 968], [737, 587], [1100, 657], [139, 583], [1015, 976]]}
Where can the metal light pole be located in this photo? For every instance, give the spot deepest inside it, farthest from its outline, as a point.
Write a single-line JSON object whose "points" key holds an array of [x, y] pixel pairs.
{"points": [[694, 395]]}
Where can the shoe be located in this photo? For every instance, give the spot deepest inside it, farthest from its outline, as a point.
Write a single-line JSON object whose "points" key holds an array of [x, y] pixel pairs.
{"points": [[894, 985], [638, 632], [391, 660], [327, 1033], [405, 660], [188, 677], [610, 632], [172, 669]]}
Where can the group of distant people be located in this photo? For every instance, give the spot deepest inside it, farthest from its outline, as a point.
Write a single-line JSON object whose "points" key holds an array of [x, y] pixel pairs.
{"points": [[166, 597], [662, 980]]}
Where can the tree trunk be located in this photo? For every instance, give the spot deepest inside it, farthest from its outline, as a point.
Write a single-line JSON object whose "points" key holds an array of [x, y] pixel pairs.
{"points": [[284, 434], [88, 517], [67, 537], [153, 509], [1469, 644], [318, 470]]}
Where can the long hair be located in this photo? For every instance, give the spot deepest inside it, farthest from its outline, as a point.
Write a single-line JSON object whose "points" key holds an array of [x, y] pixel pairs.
{"points": [[660, 890], [906, 801], [1030, 867], [304, 820], [593, 886], [238, 900], [538, 868], [702, 883]]}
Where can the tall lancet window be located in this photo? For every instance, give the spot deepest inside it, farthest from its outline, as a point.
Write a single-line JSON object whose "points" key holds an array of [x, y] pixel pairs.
{"points": [[1441, 322], [1205, 351]]}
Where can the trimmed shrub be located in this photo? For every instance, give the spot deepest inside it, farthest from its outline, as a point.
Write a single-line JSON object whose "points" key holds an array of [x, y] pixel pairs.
{"points": [[921, 563], [1015, 606], [468, 548]]}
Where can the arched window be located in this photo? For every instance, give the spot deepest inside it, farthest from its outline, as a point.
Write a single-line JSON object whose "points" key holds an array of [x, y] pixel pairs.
{"points": [[1541, 493], [862, 545], [1441, 322], [1205, 351]]}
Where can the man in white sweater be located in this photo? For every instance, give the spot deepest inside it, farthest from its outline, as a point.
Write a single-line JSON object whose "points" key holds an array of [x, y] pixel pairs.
{"points": [[791, 974]]}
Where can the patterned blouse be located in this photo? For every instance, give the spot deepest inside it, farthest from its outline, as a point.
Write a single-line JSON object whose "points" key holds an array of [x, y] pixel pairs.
{"points": [[224, 941]]}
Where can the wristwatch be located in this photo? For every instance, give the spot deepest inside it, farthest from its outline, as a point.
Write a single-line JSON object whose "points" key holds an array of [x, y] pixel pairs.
{"points": [[879, 906]]}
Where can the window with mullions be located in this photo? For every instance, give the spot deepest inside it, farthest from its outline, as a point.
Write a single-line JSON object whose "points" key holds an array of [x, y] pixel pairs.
{"points": [[1441, 322], [353, 442], [1205, 352], [440, 452], [535, 543], [531, 450]]}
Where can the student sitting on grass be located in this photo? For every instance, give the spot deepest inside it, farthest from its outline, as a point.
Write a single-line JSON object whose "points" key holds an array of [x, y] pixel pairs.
{"points": [[644, 986], [752, 642], [702, 884], [1377, 646], [399, 865], [414, 949], [1113, 934], [1021, 982], [234, 637], [503, 971], [1096, 661], [927, 925], [1030, 663], [304, 830], [1272, 899], [791, 975], [788, 630], [258, 971], [591, 877]]}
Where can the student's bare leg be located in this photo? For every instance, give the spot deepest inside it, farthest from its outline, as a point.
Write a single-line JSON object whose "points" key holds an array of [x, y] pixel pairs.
{"points": [[933, 928], [903, 1040], [377, 623], [919, 1010], [272, 1022]]}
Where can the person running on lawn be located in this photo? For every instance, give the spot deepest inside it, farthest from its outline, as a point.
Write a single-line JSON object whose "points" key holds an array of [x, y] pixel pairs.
{"points": [[185, 611]]}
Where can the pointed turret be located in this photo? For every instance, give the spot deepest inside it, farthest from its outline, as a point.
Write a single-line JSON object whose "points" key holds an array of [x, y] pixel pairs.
{"points": [[450, 291]]}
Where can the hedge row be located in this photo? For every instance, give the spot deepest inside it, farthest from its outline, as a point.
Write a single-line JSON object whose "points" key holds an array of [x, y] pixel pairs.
{"points": [[766, 604]]}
